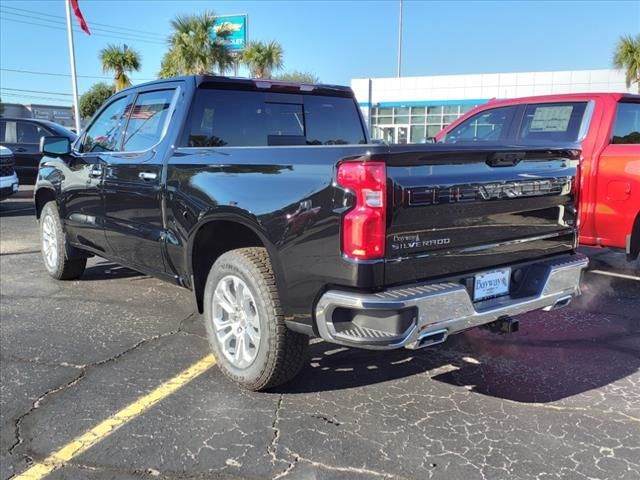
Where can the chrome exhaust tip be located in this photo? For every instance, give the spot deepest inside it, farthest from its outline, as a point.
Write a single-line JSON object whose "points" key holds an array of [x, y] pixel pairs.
{"points": [[560, 303], [429, 339]]}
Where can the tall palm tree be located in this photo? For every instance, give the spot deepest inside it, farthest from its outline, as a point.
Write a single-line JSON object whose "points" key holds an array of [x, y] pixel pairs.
{"points": [[120, 60], [262, 58], [193, 50], [627, 56]]}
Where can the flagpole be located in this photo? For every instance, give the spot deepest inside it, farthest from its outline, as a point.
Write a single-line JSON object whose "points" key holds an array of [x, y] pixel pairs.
{"points": [[72, 61]]}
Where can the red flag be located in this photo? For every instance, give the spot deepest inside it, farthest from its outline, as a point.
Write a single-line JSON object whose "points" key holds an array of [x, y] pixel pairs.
{"points": [[76, 10]]}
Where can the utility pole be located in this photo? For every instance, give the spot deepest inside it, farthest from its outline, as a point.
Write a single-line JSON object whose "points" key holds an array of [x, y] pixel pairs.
{"points": [[72, 60], [399, 41]]}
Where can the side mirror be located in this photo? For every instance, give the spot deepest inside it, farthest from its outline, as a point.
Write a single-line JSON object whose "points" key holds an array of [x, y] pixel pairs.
{"points": [[55, 145]]}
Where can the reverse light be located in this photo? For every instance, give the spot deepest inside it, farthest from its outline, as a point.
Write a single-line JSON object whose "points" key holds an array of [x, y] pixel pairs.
{"points": [[364, 226]]}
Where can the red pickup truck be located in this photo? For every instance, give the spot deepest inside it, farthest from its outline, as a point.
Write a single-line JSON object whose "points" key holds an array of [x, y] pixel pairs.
{"points": [[607, 125]]}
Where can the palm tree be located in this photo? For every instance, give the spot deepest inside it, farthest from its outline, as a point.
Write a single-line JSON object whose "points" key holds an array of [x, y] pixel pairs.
{"points": [[262, 58], [120, 60], [193, 50], [627, 56]]}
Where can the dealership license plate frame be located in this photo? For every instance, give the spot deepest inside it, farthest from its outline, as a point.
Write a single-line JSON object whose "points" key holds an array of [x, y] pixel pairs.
{"points": [[491, 292]]}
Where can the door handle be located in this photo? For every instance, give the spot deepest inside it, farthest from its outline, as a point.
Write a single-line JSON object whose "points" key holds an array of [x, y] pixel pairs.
{"points": [[147, 175], [95, 172], [20, 149]]}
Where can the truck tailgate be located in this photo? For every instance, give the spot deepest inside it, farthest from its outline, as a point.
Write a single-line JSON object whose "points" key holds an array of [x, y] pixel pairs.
{"points": [[455, 209]]}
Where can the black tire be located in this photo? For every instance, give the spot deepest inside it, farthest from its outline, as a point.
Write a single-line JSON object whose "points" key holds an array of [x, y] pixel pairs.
{"points": [[281, 353], [63, 267]]}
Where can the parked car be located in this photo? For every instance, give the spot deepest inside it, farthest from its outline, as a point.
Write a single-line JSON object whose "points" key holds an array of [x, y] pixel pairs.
{"points": [[8, 178], [607, 125], [197, 180], [22, 136]]}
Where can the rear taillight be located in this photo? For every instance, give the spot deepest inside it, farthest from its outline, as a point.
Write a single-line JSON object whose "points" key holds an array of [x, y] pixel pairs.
{"points": [[364, 226]]}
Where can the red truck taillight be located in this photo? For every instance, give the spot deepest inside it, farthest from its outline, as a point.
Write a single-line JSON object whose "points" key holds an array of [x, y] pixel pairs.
{"points": [[364, 226]]}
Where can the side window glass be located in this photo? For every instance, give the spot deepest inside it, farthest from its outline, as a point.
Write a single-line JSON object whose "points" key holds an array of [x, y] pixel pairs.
{"points": [[105, 133], [626, 129], [147, 120], [488, 126], [29, 133], [3, 127], [26, 132]]}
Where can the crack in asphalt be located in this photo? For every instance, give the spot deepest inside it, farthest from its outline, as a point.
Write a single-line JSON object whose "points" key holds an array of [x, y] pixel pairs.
{"points": [[272, 448], [83, 371]]}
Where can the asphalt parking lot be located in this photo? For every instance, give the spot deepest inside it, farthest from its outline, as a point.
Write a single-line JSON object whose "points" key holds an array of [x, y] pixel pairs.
{"points": [[559, 399]]}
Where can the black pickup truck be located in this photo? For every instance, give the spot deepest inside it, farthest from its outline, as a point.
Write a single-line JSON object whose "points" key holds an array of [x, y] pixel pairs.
{"points": [[267, 200]]}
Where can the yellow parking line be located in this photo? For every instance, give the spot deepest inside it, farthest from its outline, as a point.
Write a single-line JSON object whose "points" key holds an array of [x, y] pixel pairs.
{"points": [[105, 428]]}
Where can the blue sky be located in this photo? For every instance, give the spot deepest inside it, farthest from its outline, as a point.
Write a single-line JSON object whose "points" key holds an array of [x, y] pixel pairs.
{"points": [[336, 40]]}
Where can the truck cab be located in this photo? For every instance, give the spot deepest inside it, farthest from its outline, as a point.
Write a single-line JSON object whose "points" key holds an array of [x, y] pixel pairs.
{"points": [[607, 126]]}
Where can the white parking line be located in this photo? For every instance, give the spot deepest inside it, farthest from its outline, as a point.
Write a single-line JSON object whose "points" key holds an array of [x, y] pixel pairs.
{"points": [[618, 275]]}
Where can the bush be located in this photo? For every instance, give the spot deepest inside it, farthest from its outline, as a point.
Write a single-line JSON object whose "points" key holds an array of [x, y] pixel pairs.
{"points": [[92, 99]]}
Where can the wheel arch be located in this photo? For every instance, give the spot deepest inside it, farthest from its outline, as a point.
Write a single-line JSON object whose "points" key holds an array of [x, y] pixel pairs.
{"points": [[42, 196], [219, 234]]}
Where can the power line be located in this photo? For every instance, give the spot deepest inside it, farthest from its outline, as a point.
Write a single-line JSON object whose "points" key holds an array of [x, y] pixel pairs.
{"points": [[55, 27], [95, 30], [35, 91], [134, 30], [31, 72]]}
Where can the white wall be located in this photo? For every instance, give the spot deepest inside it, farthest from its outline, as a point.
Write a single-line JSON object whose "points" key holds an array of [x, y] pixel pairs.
{"points": [[487, 86]]}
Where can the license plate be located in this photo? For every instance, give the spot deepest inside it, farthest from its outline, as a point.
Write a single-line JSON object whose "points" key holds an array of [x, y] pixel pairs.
{"points": [[491, 284]]}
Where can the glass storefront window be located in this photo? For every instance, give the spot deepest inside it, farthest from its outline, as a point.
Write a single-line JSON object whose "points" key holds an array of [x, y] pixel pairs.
{"points": [[418, 110], [432, 130], [401, 119], [401, 111], [384, 121], [451, 109], [417, 134], [449, 119], [417, 119], [466, 108], [385, 111], [434, 110]]}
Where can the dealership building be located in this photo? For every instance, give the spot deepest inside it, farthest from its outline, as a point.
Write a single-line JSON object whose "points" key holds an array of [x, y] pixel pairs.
{"points": [[409, 109], [53, 113]]}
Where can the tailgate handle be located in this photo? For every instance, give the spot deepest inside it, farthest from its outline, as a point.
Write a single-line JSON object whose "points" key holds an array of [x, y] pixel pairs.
{"points": [[505, 159]]}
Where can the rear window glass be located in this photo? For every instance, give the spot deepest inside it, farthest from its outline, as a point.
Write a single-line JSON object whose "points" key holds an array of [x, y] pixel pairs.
{"points": [[244, 118], [552, 122], [626, 129], [488, 126]]}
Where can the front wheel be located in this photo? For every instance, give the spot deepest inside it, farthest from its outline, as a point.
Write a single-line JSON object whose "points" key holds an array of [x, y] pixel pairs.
{"points": [[245, 324], [54, 247]]}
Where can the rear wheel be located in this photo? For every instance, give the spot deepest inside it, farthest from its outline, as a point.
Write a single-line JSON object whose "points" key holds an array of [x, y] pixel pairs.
{"points": [[54, 247], [245, 324]]}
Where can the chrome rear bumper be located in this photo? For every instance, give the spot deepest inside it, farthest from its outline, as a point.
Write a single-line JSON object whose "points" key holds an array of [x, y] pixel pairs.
{"points": [[441, 309]]}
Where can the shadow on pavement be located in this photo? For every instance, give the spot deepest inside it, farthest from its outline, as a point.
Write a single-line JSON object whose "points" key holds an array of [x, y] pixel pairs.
{"points": [[105, 270], [554, 356], [526, 369]]}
